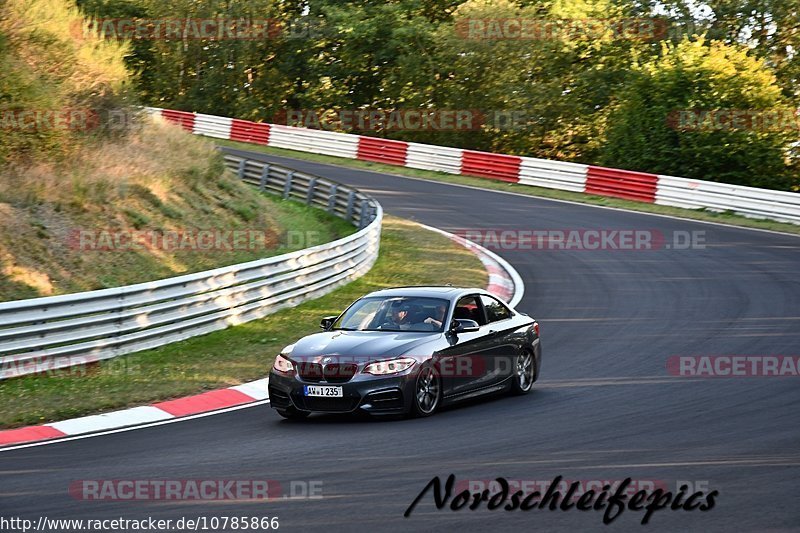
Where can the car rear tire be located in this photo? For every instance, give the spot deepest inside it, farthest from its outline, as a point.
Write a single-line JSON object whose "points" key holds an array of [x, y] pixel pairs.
{"points": [[293, 414], [427, 392], [524, 374]]}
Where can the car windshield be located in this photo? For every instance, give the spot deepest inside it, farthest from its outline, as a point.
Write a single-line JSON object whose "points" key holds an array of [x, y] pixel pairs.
{"points": [[412, 314]]}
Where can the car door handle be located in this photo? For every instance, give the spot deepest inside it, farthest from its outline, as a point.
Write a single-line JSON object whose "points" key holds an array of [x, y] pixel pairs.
{"points": [[493, 332]]}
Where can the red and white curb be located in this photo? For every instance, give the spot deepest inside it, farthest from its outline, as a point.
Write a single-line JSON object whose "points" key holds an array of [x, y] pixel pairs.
{"points": [[504, 282], [206, 402]]}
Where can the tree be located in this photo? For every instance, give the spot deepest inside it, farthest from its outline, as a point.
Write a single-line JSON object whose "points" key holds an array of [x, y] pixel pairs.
{"points": [[675, 118]]}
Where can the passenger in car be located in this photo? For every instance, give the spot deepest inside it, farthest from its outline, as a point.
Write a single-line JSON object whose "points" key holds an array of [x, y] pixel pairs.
{"points": [[438, 318]]}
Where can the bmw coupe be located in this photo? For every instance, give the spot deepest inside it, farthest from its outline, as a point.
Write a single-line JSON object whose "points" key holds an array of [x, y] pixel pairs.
{"points": [[408, 350]]}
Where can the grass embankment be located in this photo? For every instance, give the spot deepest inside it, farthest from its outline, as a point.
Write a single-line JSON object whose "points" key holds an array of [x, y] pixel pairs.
{"points": [[728, 218], [76, 161], [409, 255], [156, 179]]}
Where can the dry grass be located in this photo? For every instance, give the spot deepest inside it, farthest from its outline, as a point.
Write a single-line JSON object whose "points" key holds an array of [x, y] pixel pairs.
{"points": [[157, 178], [49, 64], [152, 157]]}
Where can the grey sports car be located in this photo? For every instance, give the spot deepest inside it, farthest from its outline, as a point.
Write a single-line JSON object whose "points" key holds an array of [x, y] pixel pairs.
{"points": [[408, 350]]}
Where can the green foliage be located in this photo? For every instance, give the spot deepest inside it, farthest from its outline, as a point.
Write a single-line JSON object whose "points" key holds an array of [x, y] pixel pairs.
{"points": [[770, 27], [653, 127], [597, 98]]}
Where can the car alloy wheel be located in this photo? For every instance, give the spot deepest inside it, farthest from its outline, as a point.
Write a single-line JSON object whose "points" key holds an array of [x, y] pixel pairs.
{"points": [[524, 373], [427, 391]]}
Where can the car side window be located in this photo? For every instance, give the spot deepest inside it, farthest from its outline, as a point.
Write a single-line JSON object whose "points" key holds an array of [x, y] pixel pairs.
{"points": [[469, 308], [495, 310]]}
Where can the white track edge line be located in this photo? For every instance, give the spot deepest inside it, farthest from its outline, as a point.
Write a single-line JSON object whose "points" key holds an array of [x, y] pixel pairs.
{"points": [[58, 440]]}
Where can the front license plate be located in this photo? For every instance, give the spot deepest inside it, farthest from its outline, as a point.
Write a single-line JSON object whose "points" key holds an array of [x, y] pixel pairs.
{"points": [[322, 390]]}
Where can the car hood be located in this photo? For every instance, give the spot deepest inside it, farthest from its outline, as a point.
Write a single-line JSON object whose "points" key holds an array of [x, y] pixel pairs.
{"points": [[364, 345]]}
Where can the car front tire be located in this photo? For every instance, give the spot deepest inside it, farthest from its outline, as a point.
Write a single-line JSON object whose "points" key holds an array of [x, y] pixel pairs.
{"points": [[427, 392]]}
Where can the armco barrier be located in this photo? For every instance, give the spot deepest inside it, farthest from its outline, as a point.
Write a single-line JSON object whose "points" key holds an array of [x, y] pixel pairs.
{"points": [[747, 201], [43, 334], [212, 126], [436, 158], [319, 142], [249, 132], [625, 184], [181, 118], [487, 165], [630, 185], [382, 150], [553, 174]]}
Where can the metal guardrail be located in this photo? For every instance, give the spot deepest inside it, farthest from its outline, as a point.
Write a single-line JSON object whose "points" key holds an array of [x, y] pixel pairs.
{"points": [[747, 201], [553, 174], [562, 175], [43, 334]]}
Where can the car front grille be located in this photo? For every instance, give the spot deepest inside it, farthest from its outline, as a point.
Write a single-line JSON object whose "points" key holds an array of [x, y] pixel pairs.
{"points": [[330, 373], [339, 373], [310, 371]]}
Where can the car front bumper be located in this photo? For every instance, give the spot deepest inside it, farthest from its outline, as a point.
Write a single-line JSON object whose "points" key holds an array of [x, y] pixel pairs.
{"points": [[371, 394]]}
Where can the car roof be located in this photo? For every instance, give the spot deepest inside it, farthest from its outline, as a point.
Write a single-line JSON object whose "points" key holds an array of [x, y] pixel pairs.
{"points": [[429, 291]]}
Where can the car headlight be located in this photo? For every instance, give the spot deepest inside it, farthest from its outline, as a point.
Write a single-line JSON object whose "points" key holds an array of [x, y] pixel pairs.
{"points": [[283, 365], [393, 366]]}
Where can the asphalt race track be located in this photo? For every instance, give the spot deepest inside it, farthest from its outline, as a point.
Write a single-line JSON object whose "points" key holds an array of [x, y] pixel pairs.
{"points": [[605, 407]]}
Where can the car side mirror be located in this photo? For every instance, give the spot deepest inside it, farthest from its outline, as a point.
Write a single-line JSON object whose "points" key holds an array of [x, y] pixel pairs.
{"points": [[463, 325], [327, 322]]}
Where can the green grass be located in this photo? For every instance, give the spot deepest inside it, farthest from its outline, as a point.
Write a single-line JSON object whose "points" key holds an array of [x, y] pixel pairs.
{"points": [[410, 255], [728, 218]]}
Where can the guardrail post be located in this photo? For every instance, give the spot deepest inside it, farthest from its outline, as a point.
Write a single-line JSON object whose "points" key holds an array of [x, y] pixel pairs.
{"points": [[363, 219], [351, 199], [240, 171], [262, 184], [332, 198], [312, 184], [287, 187]]}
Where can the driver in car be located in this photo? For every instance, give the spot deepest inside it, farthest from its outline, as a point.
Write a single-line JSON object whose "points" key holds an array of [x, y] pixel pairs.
{"points": [[398, 318]]}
